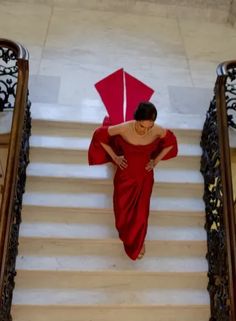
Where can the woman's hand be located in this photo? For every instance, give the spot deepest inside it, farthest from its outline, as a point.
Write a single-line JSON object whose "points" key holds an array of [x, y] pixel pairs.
{"points": [[150, 165], [120, 161]]}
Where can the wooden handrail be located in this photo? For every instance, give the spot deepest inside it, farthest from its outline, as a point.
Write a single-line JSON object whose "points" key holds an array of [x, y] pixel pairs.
{"points": [[226, 174], [223, 68], [9, 187], [20, 51]]}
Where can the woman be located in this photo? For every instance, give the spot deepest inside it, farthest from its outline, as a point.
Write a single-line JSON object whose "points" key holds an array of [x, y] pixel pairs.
{"points": [[136, 147]]}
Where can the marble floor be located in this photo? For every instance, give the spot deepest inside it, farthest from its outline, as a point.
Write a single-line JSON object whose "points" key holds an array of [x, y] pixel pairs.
{"points": [[72, 48]]}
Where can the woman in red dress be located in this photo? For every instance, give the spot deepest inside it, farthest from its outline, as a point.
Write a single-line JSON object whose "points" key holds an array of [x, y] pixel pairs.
{"points": [[136, 147]]}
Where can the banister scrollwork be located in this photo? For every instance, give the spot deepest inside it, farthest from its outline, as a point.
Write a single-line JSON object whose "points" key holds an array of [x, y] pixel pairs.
{"points": [[8, 78], [14, 98], [230, 96], [217, 194]]}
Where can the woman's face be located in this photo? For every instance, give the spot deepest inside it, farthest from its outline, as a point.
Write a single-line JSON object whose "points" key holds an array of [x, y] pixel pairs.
{"points": [[144, 126]]}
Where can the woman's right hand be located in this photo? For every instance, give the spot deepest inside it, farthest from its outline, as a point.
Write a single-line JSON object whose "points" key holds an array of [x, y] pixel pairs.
{"points": [[120, 161]]}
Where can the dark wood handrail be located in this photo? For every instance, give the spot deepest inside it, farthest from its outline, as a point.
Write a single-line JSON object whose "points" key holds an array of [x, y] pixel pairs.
{"points": [[20, 51], [226, 173], [223, 68], [9, 187]]}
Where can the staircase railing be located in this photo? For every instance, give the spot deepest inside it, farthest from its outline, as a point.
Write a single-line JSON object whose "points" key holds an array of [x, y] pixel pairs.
{"points": [[14, 71], [218, 195]]}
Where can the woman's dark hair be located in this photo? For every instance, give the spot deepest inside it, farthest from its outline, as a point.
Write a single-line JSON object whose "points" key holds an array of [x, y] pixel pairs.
{"points": [[145, 111]]}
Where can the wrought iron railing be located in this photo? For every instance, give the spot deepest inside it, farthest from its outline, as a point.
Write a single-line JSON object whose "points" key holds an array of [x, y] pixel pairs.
{"points": [[14, 71], [218, 195]]}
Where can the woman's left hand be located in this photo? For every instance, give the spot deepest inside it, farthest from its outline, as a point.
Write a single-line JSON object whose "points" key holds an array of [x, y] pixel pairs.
{"points": [[150, 165]]}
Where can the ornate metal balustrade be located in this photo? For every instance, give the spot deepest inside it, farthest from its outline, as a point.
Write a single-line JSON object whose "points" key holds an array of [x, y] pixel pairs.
{"points": [[218, 195], [13, 96], [8, 78]]}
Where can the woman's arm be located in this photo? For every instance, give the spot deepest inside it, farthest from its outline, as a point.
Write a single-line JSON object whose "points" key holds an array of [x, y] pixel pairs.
{"points": [[118, 160], [162, 154], [109, 150], [112, 131], [154, 162], [117, 129]]}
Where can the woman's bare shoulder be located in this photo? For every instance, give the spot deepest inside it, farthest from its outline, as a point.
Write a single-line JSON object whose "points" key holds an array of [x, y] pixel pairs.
{"points": [[159, 131], [118, 129]]}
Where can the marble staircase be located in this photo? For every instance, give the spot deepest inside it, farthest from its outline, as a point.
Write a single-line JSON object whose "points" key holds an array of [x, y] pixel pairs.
{"points": [[71, 265]]}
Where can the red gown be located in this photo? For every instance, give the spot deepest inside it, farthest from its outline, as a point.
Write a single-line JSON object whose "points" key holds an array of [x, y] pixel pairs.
{"points": [[133, 185]]}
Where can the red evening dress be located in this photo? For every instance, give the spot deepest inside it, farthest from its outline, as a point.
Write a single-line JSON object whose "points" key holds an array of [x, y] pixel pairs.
{"points": [[132, 185]]}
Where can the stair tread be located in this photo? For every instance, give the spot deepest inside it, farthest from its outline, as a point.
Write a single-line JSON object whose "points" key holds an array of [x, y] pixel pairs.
{"points": [[41, 209], [104, 231], [113, 263], [109, 297], [5, 122], [82, 143], [105, 172], [63, 113], [106, 216], [103, 200], [108, 312], [110, 246]]}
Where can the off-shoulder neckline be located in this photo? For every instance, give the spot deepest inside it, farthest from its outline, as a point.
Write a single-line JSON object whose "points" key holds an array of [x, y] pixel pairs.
{"points": [[139, 145]]}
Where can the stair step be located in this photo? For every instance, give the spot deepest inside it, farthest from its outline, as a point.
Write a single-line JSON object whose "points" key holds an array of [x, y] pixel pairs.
{"points": [[81, 186], [107, 171], [67, 156], [111, 263], [106, 216], [186, 146], [59, 312], [5, 125], [72, 150], [44, 113], [64, 178], [108, 247], [102, 231], [111, 281], [104, 201], [107, 296]]}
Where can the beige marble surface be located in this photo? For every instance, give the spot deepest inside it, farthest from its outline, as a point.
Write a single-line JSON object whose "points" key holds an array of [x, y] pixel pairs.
{"points": [[76, 45]]}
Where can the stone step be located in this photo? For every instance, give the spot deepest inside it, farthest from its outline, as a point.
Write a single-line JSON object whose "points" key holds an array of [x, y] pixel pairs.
{"points": [[43, 114], [111, 263], [188, 143], [101, 231], [111, 281], [83, 186], [5, 125], [67, 178], [69, 156], [104, 201], [64, 129], [48, 246], [104, 297], [148, 312], [4, 140], [34, 214], [106, 172], [73, 150]]}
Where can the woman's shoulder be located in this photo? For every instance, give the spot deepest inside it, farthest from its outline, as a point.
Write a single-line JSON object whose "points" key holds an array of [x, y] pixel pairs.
{"points": [[119, 129], [159, 131]]}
